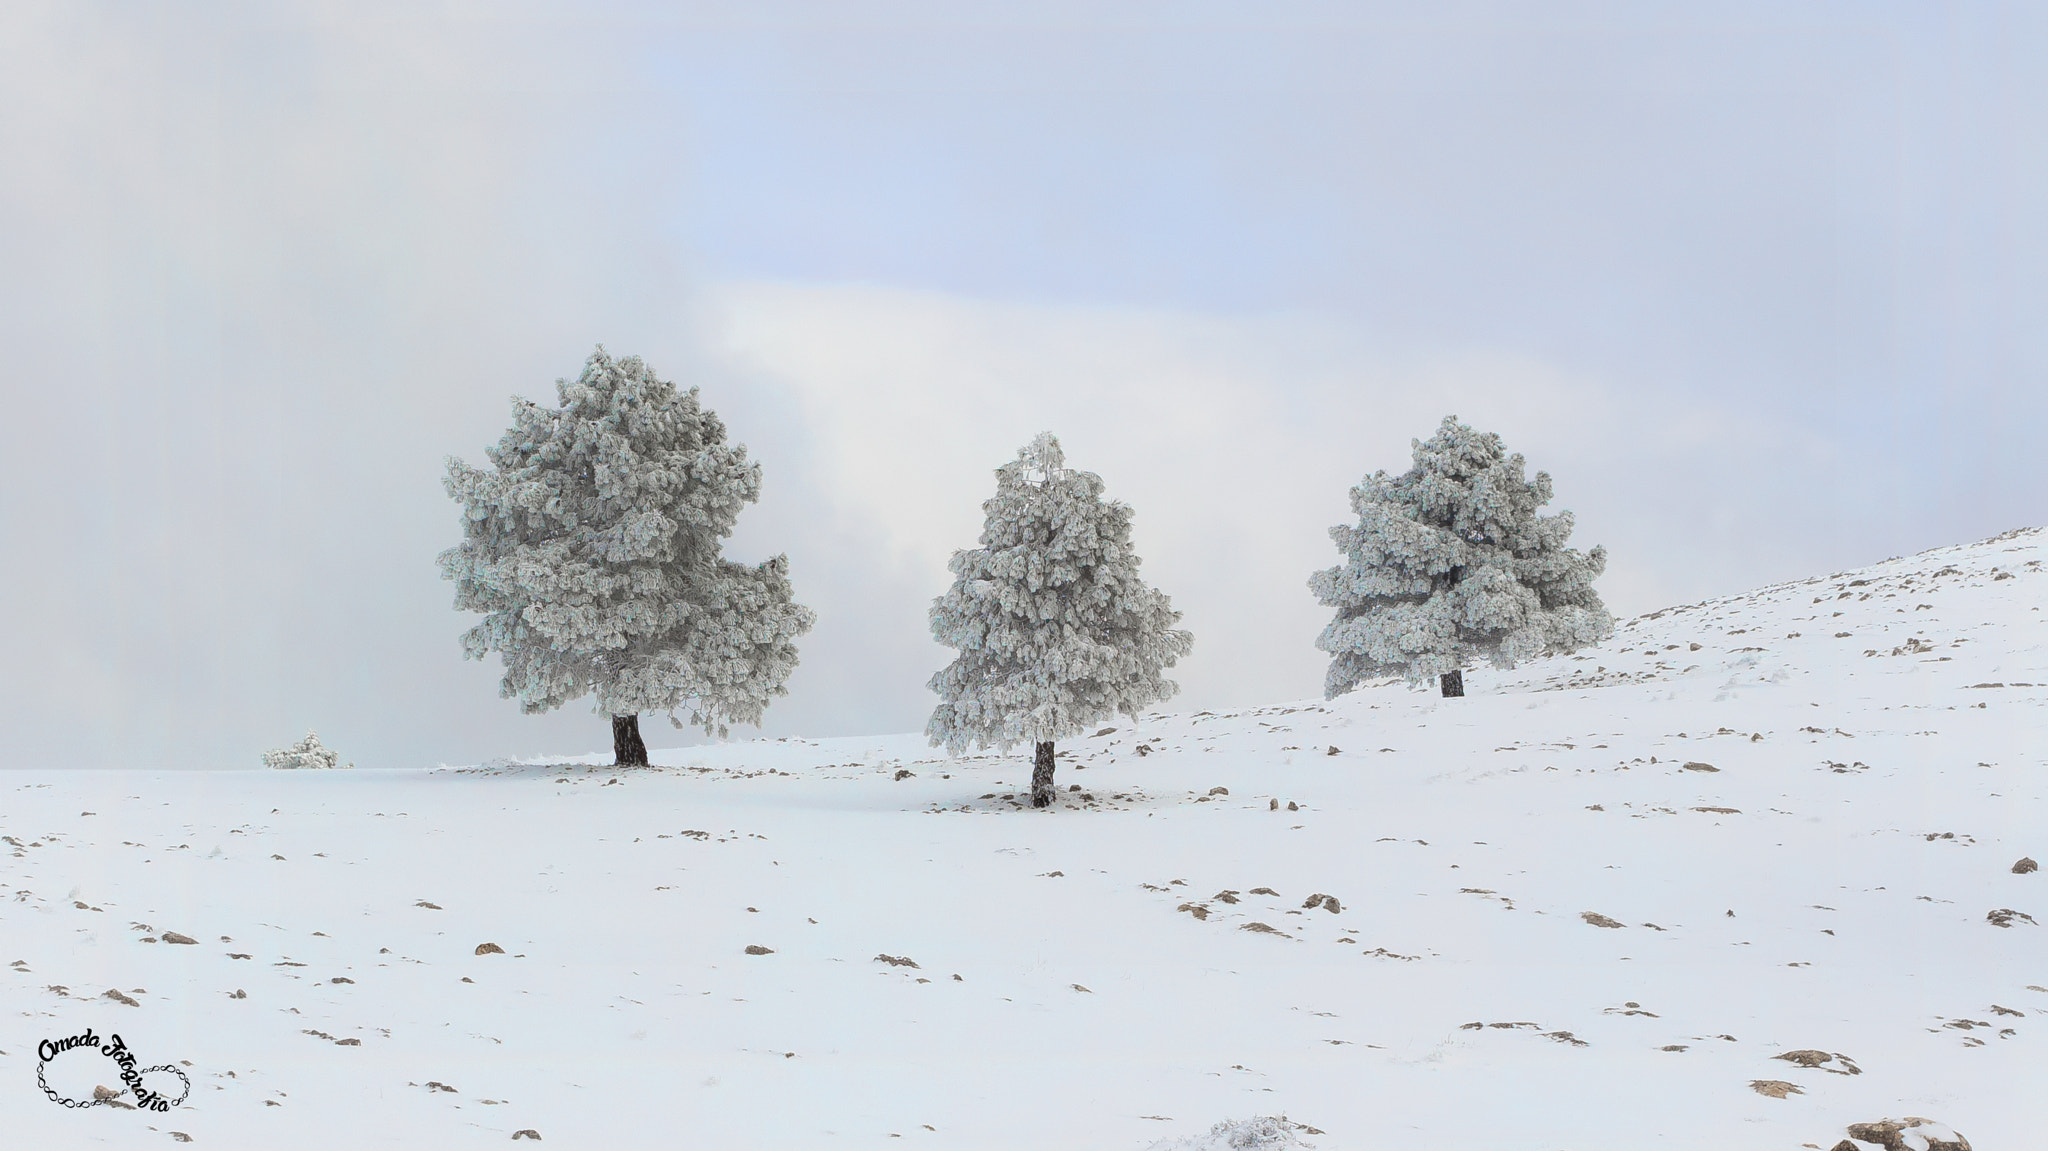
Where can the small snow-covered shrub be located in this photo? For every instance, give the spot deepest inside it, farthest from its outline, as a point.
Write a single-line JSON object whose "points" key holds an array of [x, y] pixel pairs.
{"points": [[1260, 1131], [305, 753]]}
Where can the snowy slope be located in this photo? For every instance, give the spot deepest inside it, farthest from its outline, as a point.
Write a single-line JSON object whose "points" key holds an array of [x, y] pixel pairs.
{"points": [[1588, 906]]}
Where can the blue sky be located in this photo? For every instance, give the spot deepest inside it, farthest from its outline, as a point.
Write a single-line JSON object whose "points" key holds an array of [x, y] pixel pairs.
{"points": [[1759, 285]]}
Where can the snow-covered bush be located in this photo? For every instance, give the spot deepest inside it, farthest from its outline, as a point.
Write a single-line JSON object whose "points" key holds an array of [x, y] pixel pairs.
{"points": [[1054, 628], [1254, 1134], [592, 546], [1449, 564], [307, 753]]}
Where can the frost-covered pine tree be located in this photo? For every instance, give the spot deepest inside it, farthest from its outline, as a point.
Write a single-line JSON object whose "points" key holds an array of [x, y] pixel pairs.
{"points": [[1055, 630], [1449, 564], [592, 547]]}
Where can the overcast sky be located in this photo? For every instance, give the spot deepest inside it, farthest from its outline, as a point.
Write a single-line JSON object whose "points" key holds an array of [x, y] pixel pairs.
{"points": [[1761, 286]]}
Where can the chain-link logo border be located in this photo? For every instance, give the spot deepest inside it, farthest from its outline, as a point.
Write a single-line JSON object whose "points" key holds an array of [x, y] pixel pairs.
{"points": [[115, 1051]]}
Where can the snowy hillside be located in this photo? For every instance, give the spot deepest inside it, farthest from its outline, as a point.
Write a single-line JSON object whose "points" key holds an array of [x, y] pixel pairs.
{"points": [[1740, 878]]}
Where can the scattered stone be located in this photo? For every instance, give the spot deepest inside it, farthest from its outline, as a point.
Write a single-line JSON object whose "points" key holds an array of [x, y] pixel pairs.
{"points": [[757, 949], [1775, 1088], [903, 773], [1225, 896], [2004, 916], [1272, 805], [341, 979], [489, 949], [114, 993], [1196, 909], [1334, 750], [104, 1093], [1696, 765], [348, 1043], [897, 961], [174, 937], [1599, 920], [527, 1133], [181, 1137], [2024, 866], [1082, 989], [1265, 891], [1292, 806], [1261, 929], [428, 906], [1219, 791], [1890, 1135], [1806, 1058]]}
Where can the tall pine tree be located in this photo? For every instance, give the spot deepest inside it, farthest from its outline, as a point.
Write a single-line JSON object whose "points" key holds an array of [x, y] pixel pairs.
{"points": [[592, 548], [1055, 630], [1450, 564]]}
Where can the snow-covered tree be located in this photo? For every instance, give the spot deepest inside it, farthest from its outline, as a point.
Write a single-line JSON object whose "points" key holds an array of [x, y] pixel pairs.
{"points": [[592, 547], [1449, 564], [1055, 630]]}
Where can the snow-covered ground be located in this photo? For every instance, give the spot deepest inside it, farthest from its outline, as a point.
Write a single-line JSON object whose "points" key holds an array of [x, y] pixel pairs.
{"points": [[1595, 904]]}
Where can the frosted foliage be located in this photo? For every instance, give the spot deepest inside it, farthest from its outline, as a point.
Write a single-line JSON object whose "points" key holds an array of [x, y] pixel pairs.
{"points": [[1054, 628], [1450, 564], [307, 753], [1264, 1131], [592, 548]]}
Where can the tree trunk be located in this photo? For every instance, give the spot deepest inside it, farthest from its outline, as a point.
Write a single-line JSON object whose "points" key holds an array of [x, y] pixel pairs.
{"points": [[1453, 683], [628, 750], [1041, 776]]}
